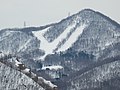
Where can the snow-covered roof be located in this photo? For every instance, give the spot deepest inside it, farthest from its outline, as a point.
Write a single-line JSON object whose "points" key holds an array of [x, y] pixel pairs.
{"points": [[53, 67]]}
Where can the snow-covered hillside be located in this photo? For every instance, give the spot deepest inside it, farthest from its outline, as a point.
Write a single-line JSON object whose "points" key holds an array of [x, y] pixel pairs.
{"points": [[14, 63], [98, 78], [61, 49], [87, 30], [11, 79], [49, 47]]}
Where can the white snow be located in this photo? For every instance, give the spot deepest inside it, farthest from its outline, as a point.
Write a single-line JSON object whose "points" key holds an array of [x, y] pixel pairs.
{"points": [[54, 67], [17, 63], [49, 83], [26, 71], [46, 82], [2, 55], [49, 47], [44, 43], [108, 43], [33, 75], [7, 33], [23, 47], [73, 38]]}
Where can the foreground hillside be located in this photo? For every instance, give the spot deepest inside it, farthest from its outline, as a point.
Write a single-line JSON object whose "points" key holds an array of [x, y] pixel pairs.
{"points": [[11, 79]]}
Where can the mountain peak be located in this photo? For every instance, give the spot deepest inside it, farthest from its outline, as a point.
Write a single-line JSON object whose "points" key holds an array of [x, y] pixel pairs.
{"points": [[87, 10], [91, 12]]}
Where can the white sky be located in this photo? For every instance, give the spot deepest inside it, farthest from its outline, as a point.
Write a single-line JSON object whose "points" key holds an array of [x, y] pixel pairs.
{"points": [[40, 12]]}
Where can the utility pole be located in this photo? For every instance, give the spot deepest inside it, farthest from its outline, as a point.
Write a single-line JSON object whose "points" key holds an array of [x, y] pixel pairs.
{"points": [[24, 24], [68, 14]]}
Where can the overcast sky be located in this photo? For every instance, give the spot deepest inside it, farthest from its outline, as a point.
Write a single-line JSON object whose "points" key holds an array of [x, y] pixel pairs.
{"points": [[40, 12]]}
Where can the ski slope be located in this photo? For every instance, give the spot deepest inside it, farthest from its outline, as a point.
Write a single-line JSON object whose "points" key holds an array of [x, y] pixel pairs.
{"points": [[49, 47]]}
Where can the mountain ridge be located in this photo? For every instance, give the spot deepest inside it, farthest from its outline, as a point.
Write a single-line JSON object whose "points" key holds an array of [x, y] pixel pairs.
{"points": [[85, 16], [75, 43]]}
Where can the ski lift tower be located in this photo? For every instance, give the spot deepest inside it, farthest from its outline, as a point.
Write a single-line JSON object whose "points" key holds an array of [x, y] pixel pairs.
{"points": [[24, 24], [68, 14]]}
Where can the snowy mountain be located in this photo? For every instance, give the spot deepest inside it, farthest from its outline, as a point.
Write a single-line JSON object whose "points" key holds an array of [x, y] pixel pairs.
{"points": [[87, 30], [102, 77], [85, 41], [11, 79], [13, 63]]}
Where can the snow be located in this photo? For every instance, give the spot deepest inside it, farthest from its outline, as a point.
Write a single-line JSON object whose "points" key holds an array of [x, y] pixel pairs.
{"points": [[33, 75], [7, 33], [44, 43], [73, 38], [26, 71], [46, 82], [23, 47], [108, 43], [49, 83], [49, 47], [2, 55], [18, 80], [17, 63], [54, 67]]}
